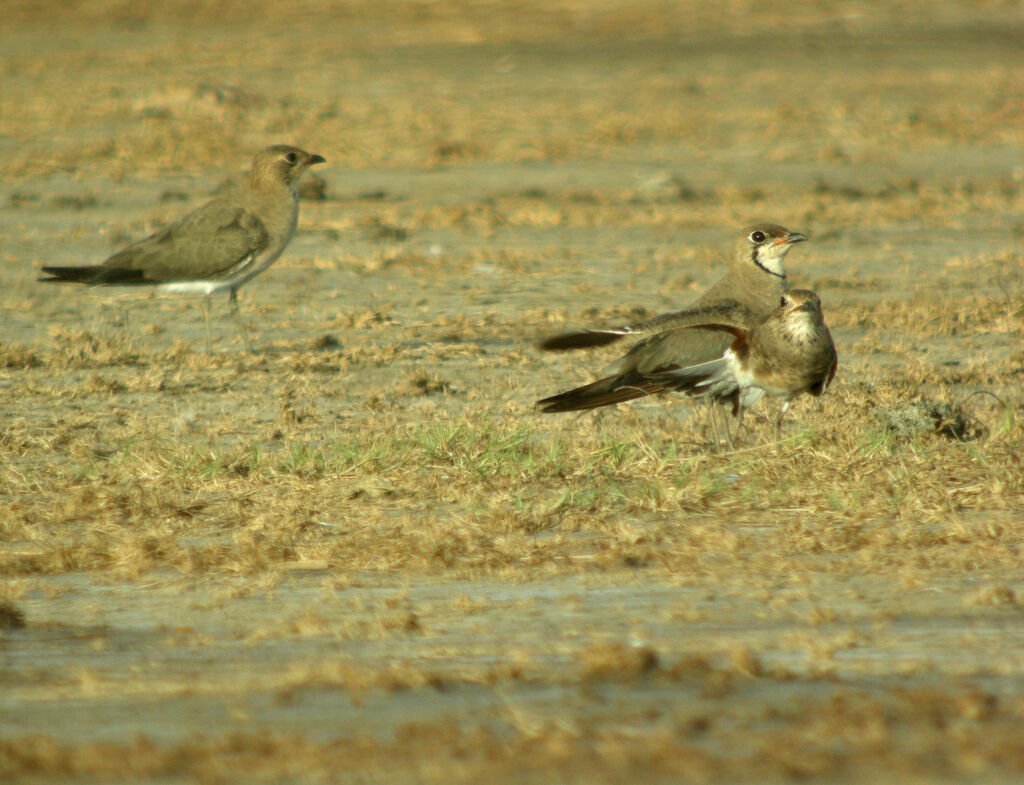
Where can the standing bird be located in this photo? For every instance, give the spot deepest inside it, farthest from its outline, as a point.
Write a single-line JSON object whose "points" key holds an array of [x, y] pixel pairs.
{"points": [[785, 354], [221, 245], [754, 282]]}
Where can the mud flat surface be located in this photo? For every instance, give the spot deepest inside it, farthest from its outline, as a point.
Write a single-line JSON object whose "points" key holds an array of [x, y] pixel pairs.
{"points": [[359, 554]]}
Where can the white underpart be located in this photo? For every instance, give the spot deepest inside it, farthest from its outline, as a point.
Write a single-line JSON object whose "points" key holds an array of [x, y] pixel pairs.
{"points": [[770, 257], [724, 376], [743, 378], [246, 270], [194, 287], [751, 389], [727, 375], [723, 369]]}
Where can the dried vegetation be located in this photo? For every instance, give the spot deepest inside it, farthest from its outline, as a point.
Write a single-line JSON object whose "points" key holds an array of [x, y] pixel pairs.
{"points": [[362, 550]]}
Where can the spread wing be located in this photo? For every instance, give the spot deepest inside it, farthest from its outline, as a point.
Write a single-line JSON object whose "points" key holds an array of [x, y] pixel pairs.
{"points": [[716, 378], [689, 337], [661, 347]]}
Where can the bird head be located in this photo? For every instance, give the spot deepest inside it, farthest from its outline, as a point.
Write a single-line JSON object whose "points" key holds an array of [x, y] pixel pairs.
{"points": [[766, 245], [800, 311], [282, 163]]}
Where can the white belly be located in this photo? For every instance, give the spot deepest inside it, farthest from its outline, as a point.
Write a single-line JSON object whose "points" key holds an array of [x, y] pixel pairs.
{"points": [[193, 287]]}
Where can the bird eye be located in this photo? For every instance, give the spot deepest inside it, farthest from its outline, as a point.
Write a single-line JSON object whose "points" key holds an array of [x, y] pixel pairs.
{"points": [[757, 237], [784, 301], [291, 159]]}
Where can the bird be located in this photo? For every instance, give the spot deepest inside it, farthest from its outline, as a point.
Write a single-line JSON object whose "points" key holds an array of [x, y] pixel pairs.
{"points": [[755, 281], [220, 245], [787, 353]]}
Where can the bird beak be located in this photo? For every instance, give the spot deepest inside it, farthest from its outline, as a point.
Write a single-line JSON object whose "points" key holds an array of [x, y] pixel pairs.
{"points": [[789, 239], [316, 159]]}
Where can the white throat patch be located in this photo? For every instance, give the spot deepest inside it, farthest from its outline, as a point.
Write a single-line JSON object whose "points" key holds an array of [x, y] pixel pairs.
{"points": [[770, 258]]}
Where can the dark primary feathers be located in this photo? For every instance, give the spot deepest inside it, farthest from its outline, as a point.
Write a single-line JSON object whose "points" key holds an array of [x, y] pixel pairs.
{"points": [[750, 288], [217, 241], [603, 392], [231, 238], [724, 317], [86, 274], [584, 339], [658, 351], [787, 353]]}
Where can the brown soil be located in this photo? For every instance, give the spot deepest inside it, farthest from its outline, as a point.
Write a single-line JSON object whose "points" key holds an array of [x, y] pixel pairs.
{"points": [[360, 555]]}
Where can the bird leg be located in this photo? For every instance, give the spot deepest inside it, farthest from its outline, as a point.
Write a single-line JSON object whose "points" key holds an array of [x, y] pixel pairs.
{"points": [[206, 314], [713, 421], [778, 420], [716, 412], [725, 426], [738, 411], [233, 299], [736, 402]]}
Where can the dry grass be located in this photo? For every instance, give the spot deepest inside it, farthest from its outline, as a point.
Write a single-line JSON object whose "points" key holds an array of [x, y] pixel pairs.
{"points": [[362, 550], [497, 489], [182, 100], [859, 737]]}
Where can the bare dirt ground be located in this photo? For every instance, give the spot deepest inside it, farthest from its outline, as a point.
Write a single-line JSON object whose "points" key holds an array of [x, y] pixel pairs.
{"points": [[360, 555]]}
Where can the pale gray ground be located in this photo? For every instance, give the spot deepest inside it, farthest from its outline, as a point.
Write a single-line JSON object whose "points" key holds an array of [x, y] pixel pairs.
{"points": [[353, 311]]}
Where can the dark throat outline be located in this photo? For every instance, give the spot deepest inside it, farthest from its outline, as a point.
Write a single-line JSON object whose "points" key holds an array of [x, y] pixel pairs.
{"points": [[757, 262]]}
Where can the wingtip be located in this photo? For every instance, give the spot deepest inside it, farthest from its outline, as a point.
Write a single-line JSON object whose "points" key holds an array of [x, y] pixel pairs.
{"points": [[64, 274], [585, 339]]}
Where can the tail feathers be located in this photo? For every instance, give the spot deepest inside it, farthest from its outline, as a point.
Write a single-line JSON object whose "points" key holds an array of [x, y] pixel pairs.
{"points": [[94, 274], [70, 274], [584, 339], [603, 392]]}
